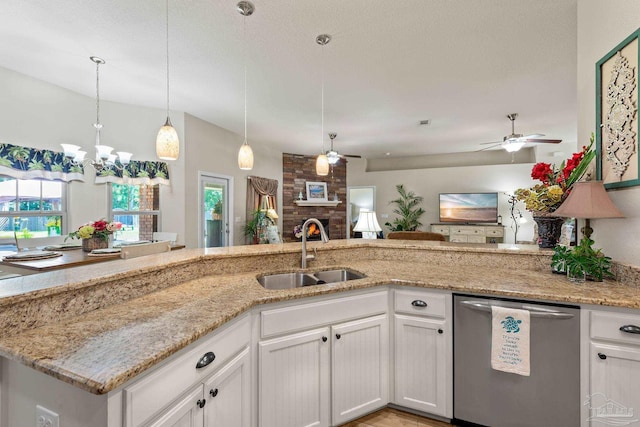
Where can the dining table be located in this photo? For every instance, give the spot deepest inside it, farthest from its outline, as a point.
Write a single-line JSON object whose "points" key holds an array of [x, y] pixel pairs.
{"points": [[68, 258]]}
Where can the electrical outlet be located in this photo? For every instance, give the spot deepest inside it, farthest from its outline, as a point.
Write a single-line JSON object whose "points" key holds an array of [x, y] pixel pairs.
{"points": [[46, 417]]}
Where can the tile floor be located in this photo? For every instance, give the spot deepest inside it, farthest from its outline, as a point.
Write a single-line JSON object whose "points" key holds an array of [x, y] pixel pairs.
{"points": [[393, 418]]}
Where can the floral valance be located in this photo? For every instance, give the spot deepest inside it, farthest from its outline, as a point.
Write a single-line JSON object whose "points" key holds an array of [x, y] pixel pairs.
{"points": [[137, 172], [33, 163]]}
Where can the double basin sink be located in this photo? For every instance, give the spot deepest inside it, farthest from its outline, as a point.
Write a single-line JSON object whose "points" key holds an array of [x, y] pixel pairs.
{"points": [[299, 279]]}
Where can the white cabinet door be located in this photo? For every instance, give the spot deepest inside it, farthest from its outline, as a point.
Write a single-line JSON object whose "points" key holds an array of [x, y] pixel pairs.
{"points": [[360, 367], [294, 380], [186, 412], [228, 394], [422, 371], [614, 384]]}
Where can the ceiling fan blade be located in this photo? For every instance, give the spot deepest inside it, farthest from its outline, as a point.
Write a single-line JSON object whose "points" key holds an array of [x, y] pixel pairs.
{"points": [[533, 136], [355, 156], [492, 142], [495, 144], [542, 141]]}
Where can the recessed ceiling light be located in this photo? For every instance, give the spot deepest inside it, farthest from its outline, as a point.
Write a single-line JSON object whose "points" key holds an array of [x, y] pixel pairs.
{"points": [[425, 122]]}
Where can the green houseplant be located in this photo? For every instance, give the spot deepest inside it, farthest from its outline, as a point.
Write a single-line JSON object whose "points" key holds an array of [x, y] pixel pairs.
{"points": [[252, 225], [408, 210], [582, 260]]}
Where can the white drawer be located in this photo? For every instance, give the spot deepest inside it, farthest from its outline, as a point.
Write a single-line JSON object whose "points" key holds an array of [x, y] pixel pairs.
{"points": [[411, 302], [468, 230], [607, 326], [476, 239], [459, 239], [301, 317], [146, 397], [494, 232], [442, 229]]}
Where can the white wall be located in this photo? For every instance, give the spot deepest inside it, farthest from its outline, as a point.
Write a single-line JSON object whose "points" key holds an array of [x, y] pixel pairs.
{"points": [[214, 150], [428, 183], [601, 26], [37, 114]]}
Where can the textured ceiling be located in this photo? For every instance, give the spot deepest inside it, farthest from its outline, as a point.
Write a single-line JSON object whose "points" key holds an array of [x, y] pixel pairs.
{"points": [[463, 64]]}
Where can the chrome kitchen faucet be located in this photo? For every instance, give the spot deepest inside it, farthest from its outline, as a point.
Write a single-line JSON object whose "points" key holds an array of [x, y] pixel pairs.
{"points": [[323, 236]]}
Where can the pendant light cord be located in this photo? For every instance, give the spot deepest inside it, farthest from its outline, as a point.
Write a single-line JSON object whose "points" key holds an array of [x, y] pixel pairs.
{"points": [[167, 46], [322, 75], [244, 34]]}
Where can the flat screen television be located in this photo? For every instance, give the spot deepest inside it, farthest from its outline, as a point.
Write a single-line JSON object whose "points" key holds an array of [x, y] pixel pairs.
{"points": [[469, 208]]}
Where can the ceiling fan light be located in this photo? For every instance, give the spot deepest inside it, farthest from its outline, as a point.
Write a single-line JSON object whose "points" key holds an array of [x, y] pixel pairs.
{"points": [[322, 165], [512, 147], [333, 157], [167, 142], [245, 157]]}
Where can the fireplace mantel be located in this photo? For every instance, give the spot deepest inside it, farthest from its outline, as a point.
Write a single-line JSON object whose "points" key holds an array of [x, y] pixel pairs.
{"points": [[317, 203]]}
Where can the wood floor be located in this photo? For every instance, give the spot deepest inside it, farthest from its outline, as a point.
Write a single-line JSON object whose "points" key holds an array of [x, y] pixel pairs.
{"points": [[393, 418]]}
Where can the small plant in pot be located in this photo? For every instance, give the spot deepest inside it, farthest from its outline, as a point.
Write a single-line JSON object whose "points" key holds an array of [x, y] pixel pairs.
{"points": [[583, 260]]}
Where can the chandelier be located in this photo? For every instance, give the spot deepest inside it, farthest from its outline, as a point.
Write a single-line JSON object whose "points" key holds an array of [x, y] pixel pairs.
{"points": [[104, 157]]}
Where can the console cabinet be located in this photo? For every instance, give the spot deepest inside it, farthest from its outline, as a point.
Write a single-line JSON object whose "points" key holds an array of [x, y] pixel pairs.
{"points": [[470, 233]]}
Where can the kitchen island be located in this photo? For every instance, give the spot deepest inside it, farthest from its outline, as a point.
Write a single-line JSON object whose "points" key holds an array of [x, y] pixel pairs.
{"points": [[99, 331]]}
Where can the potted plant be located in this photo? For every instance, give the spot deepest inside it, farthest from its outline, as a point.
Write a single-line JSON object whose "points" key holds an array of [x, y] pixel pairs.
{"points": [[251, 228], [408, 209], [582, 262]]}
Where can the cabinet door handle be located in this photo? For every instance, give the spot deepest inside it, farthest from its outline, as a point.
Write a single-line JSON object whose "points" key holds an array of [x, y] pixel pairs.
{"points": [[418, 303], [213, 392], [205, 360], [324, 339], [201, 403], [602, 356], [630, 329], [440, 331], [338, 336]]}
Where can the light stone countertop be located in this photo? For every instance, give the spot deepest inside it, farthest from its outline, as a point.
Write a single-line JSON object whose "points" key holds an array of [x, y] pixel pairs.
{"points": [[102, 348]]}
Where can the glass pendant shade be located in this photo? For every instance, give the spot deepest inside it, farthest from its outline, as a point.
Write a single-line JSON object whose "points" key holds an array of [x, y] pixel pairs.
{"points": [[322, 165], [70, 150], [79, 157], [167, 142], [245, 157], [124, 157], [512, 147], [103, 152]]}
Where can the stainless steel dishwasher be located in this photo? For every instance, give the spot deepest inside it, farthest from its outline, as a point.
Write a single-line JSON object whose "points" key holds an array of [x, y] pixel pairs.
{"points": [[549, 397]]}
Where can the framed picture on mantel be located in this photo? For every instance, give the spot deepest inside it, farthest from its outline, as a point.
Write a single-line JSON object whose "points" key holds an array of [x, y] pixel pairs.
{"points": [[317, 191]]}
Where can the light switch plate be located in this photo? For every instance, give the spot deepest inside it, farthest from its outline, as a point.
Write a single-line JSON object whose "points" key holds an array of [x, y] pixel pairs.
{"points": [[46, 417]]}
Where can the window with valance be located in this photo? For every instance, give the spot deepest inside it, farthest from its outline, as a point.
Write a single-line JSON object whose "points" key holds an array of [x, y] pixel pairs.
{"points": [[137, 172], [34, 163]]}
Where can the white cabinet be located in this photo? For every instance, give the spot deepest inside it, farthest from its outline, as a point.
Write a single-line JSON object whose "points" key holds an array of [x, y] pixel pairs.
{"points": [[360, 367], [328, 375], [294, 380], [186, 412], [423, 351], [174, 394], [470, 233], [614, 369]]}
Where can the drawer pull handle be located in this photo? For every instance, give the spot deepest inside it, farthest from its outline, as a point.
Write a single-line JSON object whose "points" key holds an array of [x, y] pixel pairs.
{"points": [[630, 329], [418, 303], [602, 356], [324, 339], [205, 360], [440, 331], [213, 392], [338, 336], [201, 403]]}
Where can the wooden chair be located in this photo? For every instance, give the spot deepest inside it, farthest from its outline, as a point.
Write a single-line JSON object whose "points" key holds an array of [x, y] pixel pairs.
{"points": [[160, 236], [416, 235], [134, 251]]}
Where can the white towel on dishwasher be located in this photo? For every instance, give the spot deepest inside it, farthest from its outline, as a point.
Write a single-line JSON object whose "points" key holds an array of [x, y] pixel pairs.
{"points": [[510, 340]]}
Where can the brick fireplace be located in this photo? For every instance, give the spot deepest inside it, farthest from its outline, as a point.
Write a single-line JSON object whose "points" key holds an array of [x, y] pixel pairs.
{"points": [[296, 171]]}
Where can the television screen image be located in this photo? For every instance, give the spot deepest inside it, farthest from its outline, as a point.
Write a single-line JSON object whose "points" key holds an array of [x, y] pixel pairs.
{"points": [[469, 208]]}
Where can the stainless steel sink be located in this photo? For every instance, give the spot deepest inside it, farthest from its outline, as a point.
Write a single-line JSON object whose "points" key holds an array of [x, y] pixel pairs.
{"points": [[299, 279]]}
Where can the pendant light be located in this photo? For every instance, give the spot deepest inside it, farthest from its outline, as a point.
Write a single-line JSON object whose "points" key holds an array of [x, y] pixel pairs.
{"points": [[322, 162], [245, 154], [103, 157], [167, 142]]}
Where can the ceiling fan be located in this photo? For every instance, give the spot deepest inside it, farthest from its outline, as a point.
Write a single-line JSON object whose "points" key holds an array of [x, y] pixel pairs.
{"points": [[515, 141], [333, 156]]}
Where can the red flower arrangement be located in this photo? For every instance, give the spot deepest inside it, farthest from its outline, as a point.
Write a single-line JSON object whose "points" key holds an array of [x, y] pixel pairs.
{"points": [[100, 228], [556, 182]]}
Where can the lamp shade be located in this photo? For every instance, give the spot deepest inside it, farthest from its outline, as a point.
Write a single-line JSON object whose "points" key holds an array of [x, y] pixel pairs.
{"points": [[245, 157], [588, 199], [322, 165], [367, 222], [167, 142]]}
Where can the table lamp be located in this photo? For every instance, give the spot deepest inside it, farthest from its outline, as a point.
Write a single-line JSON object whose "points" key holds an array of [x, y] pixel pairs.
{"points": [[588, 200], [367, 224]]}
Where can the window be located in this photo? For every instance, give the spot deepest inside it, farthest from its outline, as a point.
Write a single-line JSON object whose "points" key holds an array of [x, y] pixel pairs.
{"points": [[137, 208], [31, 208]]}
